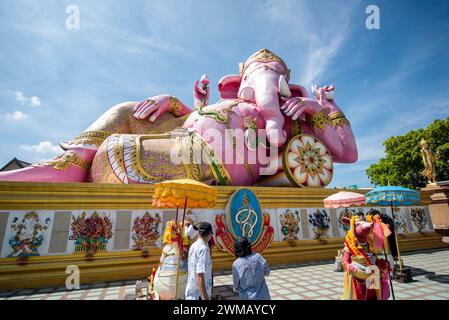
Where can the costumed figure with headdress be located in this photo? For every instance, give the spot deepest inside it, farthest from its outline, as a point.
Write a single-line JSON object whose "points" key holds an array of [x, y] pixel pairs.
{"points": [[366, 275], [170, 278]]}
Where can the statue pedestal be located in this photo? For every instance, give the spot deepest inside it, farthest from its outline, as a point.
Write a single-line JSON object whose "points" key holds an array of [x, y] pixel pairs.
{"points": [[439, 208]]}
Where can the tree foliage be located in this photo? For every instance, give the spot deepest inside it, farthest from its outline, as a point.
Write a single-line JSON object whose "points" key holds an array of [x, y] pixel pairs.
{"points": [[402, 165]]}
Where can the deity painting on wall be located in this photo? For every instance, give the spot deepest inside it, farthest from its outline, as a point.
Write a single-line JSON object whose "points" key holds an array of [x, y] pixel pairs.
{"points": [[290, 222], [28, 234], [145, 229], [400, 220], [419, 219], [320, 223], [91, 231]]}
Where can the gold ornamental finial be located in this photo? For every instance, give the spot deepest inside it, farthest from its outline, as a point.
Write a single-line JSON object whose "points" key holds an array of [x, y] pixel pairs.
{"points": [[265, 55], [245, 201]]}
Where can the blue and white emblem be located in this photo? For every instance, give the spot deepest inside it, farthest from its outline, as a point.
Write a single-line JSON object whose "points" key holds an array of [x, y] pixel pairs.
{"points": [[244, 216]]}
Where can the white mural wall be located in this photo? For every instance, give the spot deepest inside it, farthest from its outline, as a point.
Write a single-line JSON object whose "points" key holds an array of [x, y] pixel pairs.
{"points": [[28, 233]]}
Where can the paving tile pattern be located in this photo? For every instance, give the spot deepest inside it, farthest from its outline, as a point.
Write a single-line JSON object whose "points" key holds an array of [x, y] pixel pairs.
{"points": [[311, 281]]}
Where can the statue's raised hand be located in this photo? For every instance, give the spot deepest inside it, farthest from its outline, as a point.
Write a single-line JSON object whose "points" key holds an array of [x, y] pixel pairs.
{"points": [[201, 91], [295, 107], [325, 97], [152, 107]]}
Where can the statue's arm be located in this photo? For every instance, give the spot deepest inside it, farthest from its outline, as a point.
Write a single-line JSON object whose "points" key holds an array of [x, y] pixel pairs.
{"points": [[342, 126], [154, 106]]}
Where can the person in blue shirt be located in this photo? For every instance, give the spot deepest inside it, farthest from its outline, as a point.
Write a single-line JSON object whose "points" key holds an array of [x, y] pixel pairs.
{"points": [[249, 271]]}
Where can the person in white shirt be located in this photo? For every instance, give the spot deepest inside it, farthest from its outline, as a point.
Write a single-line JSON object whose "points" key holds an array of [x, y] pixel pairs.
{"points": [[190, 230], [199, 277]]}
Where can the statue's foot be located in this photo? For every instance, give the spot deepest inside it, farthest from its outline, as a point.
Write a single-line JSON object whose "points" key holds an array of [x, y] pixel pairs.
{"points": [[69, 167]]}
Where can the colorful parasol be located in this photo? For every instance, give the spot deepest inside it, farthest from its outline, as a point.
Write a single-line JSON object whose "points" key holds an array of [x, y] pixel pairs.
{"points": [[393, 196], [183, 193], [344, 199]]}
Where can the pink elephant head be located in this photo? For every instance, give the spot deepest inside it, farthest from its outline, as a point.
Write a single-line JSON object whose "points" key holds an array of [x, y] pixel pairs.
{"points": [[263, 79], [362, 228]]}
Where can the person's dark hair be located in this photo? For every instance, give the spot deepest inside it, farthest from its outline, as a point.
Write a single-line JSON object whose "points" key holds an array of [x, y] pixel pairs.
{"points": [[205, 229], [242, 247]]}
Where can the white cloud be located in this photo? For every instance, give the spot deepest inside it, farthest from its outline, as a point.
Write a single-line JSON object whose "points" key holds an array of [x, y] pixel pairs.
{"points": [[323, 35], [16, 115], [321, 56], [34, 101], [20, 97], [43, 148]]}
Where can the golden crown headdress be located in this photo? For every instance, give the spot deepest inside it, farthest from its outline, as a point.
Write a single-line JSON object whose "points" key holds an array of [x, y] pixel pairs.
{"points": [[31, 215], [423, 143], [264, 55]]}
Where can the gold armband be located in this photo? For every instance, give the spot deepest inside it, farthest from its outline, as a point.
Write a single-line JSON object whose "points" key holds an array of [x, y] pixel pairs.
{"points": [[338, 119], [175, 106], [250, 122], [319, 120], [66, 160], [88, 138]]}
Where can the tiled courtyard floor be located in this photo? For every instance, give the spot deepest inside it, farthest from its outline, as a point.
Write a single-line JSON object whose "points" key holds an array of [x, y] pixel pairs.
{"points": [[314, 281]]}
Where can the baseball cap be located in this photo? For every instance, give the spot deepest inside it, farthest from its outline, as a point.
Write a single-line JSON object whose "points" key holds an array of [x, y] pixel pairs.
{"points": [[205, 227]]}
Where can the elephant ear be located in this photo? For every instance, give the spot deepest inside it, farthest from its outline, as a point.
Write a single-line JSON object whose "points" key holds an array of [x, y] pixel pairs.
{"points": [[228, 86], [298, 91]]}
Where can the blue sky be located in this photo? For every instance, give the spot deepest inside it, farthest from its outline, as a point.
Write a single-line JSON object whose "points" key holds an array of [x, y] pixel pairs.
{"points": [[54, 81]]}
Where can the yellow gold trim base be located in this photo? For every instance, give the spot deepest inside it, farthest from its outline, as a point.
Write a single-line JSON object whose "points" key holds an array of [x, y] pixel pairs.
{"points": [[75, 196]]}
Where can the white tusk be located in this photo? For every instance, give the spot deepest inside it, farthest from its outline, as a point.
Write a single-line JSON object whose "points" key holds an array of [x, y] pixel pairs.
{"points": [[284, 89], [247, 94], [240, 68]]}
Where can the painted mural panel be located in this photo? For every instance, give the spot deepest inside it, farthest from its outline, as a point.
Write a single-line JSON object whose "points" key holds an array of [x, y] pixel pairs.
{"points": [[146, 229], [400, 220], [91, 230], [319, 223], [204, 215], [27, 234], [289, 224], [419, 219]]}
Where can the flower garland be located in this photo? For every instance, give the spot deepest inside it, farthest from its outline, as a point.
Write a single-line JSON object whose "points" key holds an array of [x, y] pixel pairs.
{"points": [[354, 245]]}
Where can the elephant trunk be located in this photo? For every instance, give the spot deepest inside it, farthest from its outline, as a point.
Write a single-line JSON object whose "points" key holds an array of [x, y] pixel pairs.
{"points": [[267, 100]]}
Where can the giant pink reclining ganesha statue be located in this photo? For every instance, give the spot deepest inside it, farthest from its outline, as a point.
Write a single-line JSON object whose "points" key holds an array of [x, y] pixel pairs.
{"points": [[136, 142]]}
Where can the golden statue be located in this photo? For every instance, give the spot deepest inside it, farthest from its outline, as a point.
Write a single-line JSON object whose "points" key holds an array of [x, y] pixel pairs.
{"points": [[429, 162]]}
